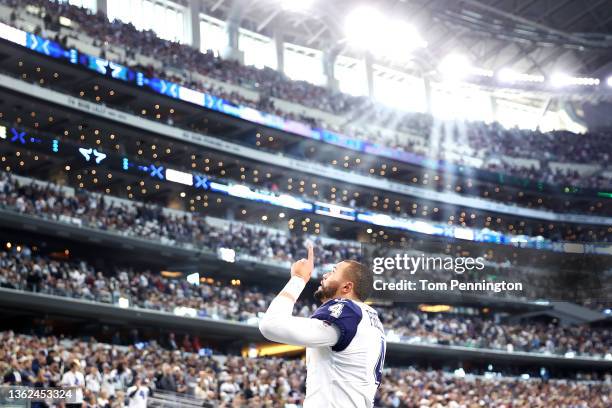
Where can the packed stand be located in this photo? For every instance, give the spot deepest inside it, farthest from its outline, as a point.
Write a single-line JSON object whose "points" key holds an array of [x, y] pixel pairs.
{"points": [[24, 270], [253, 243], [153, 223], [491, 143], [111, 374], [416, 388], [478, 332]]}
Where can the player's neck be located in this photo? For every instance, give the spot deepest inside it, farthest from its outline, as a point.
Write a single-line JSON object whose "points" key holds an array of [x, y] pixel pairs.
{"points": [[349, 297]]}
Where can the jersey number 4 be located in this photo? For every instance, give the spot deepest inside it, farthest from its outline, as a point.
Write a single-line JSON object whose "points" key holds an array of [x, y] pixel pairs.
{"points": [[336, 310]]}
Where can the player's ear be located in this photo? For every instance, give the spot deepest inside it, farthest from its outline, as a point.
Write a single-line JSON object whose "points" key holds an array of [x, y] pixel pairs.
{"points": [[348, 287]]}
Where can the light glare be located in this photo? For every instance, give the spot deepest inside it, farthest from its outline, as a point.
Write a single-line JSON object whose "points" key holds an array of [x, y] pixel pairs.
{"points": [[362, 27], [560, 79], [455, 66], [509, 75], [367, 29]]}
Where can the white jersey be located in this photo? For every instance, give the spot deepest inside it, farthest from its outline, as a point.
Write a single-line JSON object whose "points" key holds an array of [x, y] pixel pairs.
{"points": [[138, 396], [76, 379], [348, 373]]}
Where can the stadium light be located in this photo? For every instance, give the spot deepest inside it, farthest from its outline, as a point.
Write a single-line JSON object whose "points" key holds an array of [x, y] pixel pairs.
{"points": [[455, 67], [482, 72], [368, 29], [506, 75], [362, 27], [399, 40], [560, 79], [609, 81], [509, 75], [587, 81]]}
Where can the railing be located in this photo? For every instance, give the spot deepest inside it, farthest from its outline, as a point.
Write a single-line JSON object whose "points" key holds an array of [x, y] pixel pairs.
{"points": [[169, 399]]}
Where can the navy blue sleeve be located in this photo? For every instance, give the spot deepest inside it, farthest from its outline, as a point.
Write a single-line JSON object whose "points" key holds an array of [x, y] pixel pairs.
{"points": [[345, 315]]}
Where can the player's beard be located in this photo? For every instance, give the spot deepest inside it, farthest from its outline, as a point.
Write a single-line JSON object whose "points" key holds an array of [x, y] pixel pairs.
{"points": [[326, 292]]}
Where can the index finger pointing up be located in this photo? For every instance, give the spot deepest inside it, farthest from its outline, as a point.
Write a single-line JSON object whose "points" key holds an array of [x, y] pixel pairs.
{"points": [[310, 253]]}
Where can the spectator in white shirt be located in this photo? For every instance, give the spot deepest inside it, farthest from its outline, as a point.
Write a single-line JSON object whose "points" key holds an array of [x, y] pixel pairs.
{"points": [[138, 394], [93, 379], [108, 380], [75, 380]]}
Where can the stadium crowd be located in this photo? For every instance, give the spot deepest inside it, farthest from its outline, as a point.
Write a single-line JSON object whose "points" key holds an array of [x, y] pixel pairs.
{"points": [[506, 224], [24, 270], [408, 388], [478, 332], [111, 374], [490, 143], [153, 223], [250, 242]]}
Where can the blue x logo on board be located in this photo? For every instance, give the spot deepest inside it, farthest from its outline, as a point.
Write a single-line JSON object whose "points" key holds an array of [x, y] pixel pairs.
{"points": [[200, 182], [18, 136], [157, 171]]}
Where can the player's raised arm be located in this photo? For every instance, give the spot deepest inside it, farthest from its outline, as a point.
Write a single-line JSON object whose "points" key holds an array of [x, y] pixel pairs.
{"points": [[279, 325], [301, 271]]}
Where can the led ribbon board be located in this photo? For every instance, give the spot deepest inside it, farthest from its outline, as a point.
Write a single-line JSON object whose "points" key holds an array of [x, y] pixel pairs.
{"points": [[335, 211], [199, 181]]}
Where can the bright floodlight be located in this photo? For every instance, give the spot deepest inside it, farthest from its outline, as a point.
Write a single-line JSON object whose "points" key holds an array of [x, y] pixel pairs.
{"points": [[506, 75], [366, 28], [559, 79], [455, 66], [509, 75], [400, 39], [609, 81]]}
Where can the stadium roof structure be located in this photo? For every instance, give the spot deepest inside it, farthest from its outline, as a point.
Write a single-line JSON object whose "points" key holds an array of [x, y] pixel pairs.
{"points": [[531, 37]]}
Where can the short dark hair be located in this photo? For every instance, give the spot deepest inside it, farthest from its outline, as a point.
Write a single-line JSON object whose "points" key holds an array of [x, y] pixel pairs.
{"points": [[362, 278]]}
